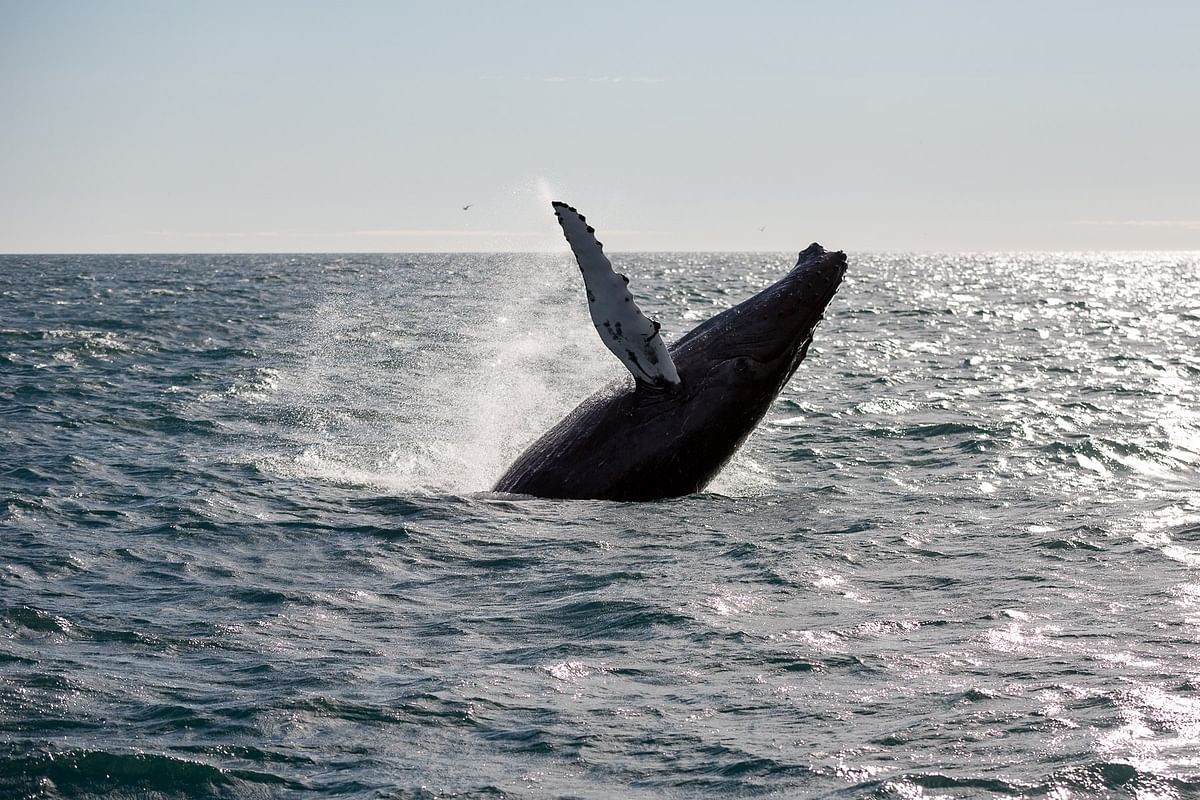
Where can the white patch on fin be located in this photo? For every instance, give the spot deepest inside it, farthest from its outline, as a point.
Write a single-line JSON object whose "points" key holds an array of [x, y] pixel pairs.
{"points": [[624, 329]]}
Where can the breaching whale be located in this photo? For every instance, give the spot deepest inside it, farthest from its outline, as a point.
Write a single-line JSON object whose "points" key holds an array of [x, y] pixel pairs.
{"points": [[669, 430]]}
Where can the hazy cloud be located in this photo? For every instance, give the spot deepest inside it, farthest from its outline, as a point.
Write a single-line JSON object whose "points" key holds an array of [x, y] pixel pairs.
{"points": [[1142, 223], [431, 232], [602, 79], [215, 234], [367, 233]]}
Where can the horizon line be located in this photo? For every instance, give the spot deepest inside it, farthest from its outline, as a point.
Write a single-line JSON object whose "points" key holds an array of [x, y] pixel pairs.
{"points": [[868, 251]]}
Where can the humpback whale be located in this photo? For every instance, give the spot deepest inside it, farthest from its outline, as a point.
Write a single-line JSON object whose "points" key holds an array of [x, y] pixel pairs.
{"points": [[670, 430]]}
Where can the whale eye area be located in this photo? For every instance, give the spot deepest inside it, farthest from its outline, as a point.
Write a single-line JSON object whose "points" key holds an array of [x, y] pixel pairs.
{"points": [[740, 365]]}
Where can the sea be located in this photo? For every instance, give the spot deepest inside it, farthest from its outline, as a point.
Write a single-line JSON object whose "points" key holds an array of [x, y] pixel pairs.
{"points": [[248, 547]]}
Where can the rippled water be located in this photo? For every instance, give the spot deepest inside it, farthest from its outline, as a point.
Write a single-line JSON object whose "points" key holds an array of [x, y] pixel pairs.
{"points": [[247, 549]]}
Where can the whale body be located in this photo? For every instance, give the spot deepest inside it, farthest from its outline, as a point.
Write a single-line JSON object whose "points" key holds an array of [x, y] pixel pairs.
{"points": [[669, 427]]}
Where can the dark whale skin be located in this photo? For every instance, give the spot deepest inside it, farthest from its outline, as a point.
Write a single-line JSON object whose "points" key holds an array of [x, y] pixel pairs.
{"points": [[633, 441]]}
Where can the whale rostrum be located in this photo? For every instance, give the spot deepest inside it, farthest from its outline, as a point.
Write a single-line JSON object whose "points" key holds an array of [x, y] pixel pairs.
{"points": [[671, 429]]}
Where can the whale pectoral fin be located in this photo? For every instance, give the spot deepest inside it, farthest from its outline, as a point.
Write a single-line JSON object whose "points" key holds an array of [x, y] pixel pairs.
{"points": [[625, 330]]}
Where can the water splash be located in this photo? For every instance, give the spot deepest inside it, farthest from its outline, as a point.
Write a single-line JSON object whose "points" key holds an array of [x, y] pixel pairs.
{"points": [[501, 351]]}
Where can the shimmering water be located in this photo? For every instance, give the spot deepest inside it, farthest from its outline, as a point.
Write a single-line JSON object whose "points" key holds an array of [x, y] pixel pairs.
{"points": [[247, 549]]}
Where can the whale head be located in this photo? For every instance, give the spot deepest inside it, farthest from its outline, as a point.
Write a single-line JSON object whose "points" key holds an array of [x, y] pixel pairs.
{"points": [[751, 350]]}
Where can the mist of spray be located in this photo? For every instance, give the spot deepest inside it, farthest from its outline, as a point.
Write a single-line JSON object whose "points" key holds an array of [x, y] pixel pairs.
{"points": [[431, 373]]}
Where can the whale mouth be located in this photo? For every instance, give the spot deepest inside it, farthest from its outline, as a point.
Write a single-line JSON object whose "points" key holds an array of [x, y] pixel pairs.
{"points": [[787, 313], [781, 362], [766, 336]]}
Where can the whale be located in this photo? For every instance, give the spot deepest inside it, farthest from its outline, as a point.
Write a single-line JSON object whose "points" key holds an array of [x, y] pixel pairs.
{"points": [[668, 427]]}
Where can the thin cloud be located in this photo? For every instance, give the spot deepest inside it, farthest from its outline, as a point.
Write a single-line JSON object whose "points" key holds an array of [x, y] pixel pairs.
{"points": [[431, 232], [602, 79], [370, 233], [1141, 223], [477, 234], [216, 234]]}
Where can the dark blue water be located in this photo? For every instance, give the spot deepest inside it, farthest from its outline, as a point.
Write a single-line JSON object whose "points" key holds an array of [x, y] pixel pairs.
{"points": [[247, 549]]}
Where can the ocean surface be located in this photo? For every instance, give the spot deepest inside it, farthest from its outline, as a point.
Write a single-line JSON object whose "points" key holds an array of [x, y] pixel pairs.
{"points": [[248, 549]]}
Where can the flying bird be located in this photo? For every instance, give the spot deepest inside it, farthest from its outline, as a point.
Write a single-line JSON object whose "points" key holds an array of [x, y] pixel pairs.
{"points": [[468, 205]]}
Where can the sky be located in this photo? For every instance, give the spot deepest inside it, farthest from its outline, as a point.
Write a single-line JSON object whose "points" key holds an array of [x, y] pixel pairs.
{"points": [[160, 126]]}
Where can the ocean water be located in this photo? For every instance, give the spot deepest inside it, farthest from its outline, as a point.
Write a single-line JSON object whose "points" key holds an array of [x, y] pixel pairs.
{"points": [[247, 547]]}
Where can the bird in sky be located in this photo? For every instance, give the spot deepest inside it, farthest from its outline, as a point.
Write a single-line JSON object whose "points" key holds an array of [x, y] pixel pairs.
{"points": [[468, 205]]}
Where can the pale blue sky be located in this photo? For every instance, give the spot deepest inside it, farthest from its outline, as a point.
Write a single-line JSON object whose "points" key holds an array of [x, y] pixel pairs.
{"points": [[365, 126]]}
